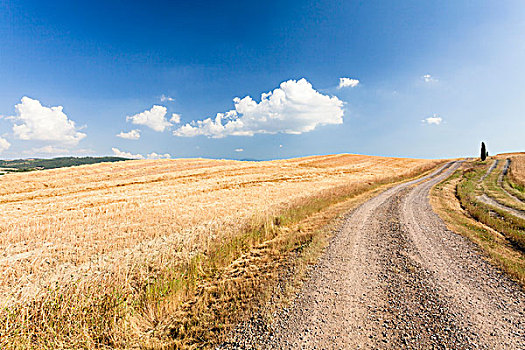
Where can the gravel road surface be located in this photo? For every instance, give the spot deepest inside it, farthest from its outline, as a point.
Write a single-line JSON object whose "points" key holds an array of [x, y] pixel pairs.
{"points": [[395, 277]]}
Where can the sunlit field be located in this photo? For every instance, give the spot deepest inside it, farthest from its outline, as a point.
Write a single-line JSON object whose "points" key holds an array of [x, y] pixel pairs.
{"points": [[517, 169], [74, 238]]}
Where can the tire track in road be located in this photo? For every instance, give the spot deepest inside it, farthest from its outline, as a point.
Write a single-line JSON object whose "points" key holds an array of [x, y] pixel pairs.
{"points": [[500, 182], [489, 170], [494, 203]]}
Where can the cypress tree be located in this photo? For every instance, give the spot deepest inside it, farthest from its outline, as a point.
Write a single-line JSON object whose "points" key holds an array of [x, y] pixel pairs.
{"points": [[483, 151]]}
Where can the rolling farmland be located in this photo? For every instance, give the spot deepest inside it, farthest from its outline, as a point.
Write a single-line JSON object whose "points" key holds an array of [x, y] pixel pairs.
{"points": [[81, 246], [517, 169]]}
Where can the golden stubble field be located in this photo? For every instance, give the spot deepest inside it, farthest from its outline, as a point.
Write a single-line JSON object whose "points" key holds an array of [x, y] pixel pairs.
{"points": [[120, 222], [517, 169]]}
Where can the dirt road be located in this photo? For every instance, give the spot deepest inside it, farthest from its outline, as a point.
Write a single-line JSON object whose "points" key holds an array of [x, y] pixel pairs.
{"points": [[395, 277]]}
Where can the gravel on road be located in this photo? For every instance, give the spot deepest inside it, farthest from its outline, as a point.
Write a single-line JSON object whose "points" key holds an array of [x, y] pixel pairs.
{"points": [[395, 277]]}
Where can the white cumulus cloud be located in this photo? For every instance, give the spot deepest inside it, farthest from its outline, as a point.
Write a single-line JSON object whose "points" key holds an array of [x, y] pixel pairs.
{"points": [[429, 79], [123, 154], [293, 108], [132, 135], [347, 82], [4, 144], [36, 122], [155, 118], [435, 119]]}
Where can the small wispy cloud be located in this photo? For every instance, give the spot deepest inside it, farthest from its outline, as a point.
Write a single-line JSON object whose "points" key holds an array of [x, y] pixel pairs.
{"points": [[124, 154], [130, 155], [132, 135], [239, 150], [175, 118], [434, 119], [54, 150], [347, 82], [165, 98], [4, 144], [429, 79], [50, 150], [154, 155]]}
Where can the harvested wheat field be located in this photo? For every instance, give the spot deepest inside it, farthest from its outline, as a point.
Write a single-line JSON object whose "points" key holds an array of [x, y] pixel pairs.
{"points": [[517, 168], [103, 255]]}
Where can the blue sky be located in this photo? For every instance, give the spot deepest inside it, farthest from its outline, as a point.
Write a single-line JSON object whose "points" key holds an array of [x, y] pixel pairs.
{"points": [[108, 64]]}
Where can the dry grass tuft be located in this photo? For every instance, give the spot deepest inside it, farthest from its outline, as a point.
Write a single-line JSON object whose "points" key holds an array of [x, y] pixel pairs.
{"points": [[517, 171], [160, 253]]}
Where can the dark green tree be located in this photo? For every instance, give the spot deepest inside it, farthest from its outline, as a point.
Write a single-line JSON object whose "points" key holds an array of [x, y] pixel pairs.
{"points": [[483, 151]]}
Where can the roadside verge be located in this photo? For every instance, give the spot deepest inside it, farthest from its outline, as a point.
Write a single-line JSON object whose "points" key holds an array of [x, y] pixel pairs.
{"points": [[497, 235]]}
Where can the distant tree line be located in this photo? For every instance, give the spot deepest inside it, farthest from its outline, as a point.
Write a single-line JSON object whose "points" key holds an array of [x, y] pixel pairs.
{"points": [[34, 164]]}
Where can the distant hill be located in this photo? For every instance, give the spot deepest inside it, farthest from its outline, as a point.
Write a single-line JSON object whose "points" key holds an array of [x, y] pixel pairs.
{"points": [[19, 165]]}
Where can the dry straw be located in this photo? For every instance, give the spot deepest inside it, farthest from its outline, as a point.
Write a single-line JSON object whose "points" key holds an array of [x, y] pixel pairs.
{"points": [[77, 242]]}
